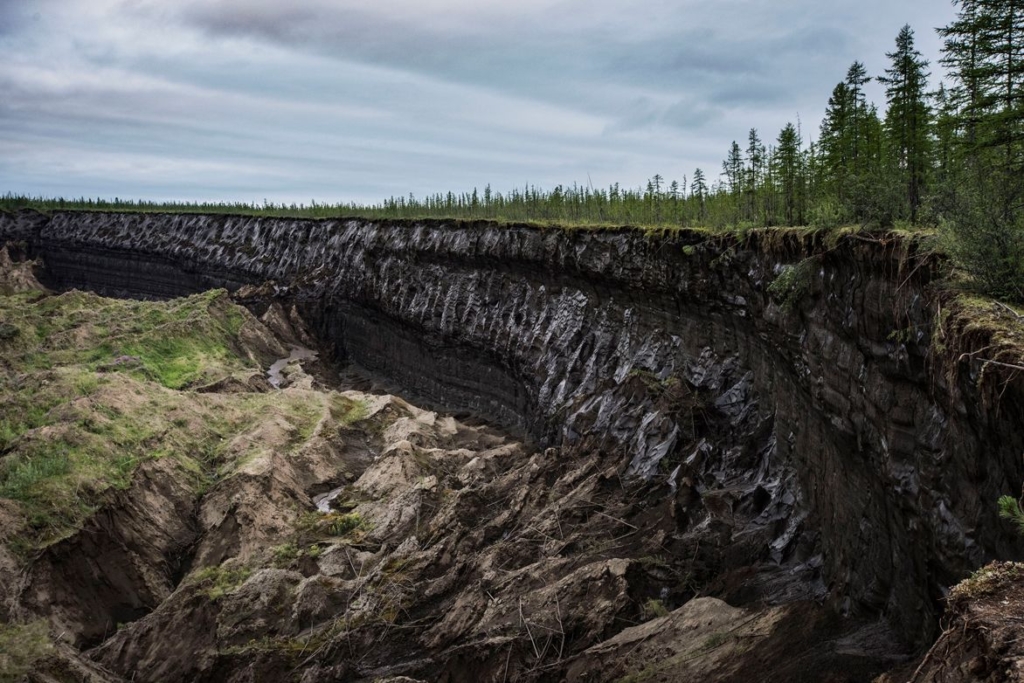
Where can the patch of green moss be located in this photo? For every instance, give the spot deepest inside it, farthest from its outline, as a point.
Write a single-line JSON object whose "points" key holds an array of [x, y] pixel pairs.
{"points": [[988, 580], [216, 582], [22, 646], [654, 608], [346, 411], [984, 332], [86, 400], [793, 282], [315, 525]]}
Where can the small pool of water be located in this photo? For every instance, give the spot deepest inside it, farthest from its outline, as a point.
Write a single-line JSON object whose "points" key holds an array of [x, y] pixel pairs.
{"points": [[297, 353], [323, 501]]}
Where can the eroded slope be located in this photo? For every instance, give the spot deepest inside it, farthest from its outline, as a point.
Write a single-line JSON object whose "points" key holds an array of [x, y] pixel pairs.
{"points": [[169, 516], [876, 436], [793, 418]]}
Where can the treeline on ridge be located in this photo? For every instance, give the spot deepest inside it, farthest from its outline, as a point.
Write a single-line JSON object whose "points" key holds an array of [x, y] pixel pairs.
{"points": [[946, 157]]}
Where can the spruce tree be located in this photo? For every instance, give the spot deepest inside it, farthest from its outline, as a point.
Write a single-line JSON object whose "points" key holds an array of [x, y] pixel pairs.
{"points": [[699, 194], [945, 126], [856, 78], [732, 169], [788, 170], [982, 197], [965, 46], [908, 120], [754, 173], [1002, 75], [835, 153]]}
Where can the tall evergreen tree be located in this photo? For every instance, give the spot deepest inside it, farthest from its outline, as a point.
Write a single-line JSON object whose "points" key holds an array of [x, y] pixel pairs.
{"points": [[850, 151], [984, 51], [699, 193], [754, 173], [856, 78], [908, 124], [945, 126], [983, 198], [732, 169], [835, 148], [1003, 80], [788, 165], [966, 42]]}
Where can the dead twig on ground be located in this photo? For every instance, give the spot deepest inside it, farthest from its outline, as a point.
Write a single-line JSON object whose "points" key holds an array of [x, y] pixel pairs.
{"points": [[616, 519], [1009, 310], [523, 621]]}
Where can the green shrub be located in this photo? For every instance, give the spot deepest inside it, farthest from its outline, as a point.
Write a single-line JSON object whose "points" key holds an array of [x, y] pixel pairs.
{"points": [[990, 249], [25, 473], [343, 524], [655, 608], [1009, 508], [285, 554], [219, 581], [826, 213], [318, 524], [982, 229]]}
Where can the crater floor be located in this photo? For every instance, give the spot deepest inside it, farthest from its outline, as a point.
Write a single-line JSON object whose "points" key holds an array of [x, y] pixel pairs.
{"points": [[160, 522]]}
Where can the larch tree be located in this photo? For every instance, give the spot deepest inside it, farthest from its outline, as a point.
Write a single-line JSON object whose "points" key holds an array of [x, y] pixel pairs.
{"points": [[835, 148], [1002, 75], [856, 78]]}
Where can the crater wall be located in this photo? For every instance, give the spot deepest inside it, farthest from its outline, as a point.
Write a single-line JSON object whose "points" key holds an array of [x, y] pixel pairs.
{"points": [[841, 456]]}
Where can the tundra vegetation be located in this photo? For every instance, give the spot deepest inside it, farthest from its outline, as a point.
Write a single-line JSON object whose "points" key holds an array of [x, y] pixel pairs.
{"points": [[92, 389], [943, 157]]}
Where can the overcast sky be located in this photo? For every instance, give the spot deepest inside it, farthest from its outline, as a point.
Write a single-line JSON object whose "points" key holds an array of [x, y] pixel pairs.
{"points": [[345, 100]]}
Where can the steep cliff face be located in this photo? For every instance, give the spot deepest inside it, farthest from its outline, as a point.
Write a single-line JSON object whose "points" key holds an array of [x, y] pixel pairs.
{"points": [[787, 393]]}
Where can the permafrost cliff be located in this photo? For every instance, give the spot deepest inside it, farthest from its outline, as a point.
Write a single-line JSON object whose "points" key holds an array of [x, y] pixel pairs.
{"points": [[813, 434]]}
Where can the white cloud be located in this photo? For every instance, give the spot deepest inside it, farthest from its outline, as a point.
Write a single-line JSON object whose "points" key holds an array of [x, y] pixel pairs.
{"points": [[346, 100]]}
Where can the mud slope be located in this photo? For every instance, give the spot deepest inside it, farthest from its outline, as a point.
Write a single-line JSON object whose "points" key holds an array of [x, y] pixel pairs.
{"points": [[804, 422]]}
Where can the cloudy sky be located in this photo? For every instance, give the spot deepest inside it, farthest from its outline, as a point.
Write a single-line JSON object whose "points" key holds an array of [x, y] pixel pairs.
{"points": [[347, 100]]}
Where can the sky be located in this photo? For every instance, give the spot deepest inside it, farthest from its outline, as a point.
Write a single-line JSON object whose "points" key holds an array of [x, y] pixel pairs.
{"points": [[348, 101]]}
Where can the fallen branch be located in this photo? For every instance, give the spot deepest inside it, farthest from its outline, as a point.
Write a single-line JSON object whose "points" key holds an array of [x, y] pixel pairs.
{"points": [[616, 519], [1002, 365], [505, 676], [523, 621], [928, 657], [1009, 310], [558, 615]]}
